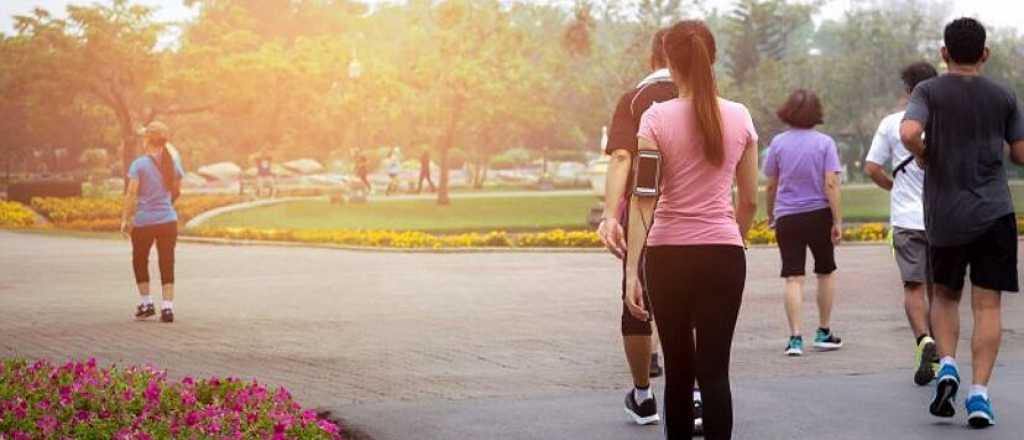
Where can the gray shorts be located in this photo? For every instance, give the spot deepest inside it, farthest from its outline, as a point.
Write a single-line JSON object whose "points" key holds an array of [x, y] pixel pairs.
{"points": [[911, 249]]}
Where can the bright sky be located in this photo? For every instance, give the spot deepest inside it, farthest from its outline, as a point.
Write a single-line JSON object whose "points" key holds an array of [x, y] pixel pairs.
{"points": [[1008, 13]]}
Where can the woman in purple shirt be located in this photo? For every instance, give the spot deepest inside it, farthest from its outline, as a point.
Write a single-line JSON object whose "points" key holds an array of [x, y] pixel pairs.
{"points": [[802, 167]]}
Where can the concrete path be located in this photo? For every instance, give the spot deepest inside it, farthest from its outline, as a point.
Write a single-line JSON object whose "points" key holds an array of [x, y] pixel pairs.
{"points": [[471, 345], [835, 407]]}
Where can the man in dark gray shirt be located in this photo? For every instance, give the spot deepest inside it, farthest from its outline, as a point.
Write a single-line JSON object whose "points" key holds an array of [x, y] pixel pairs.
{"points": [[958, 126]]}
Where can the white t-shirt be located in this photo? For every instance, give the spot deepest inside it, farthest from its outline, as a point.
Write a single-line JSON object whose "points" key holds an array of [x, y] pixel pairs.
{"points": [[908, 186]]}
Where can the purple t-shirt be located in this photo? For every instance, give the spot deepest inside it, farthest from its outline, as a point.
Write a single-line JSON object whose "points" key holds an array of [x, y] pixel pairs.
{"points": [[799, 159]]}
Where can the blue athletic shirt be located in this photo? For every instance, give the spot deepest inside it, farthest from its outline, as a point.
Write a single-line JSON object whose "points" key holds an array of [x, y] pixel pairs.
{"points": [[154, 202]]}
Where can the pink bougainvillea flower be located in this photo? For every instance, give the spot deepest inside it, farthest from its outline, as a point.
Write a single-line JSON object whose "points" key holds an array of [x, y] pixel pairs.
{"points": [[48, 424], [328, 427], [192, 418], [308, 416], [152, 392], [83, 416], [188, 398]]}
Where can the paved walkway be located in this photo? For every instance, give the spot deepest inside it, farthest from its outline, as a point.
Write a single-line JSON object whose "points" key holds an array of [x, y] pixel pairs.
{"points": [[471, 345]]}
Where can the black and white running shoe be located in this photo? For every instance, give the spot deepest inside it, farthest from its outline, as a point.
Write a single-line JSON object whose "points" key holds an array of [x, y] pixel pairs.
{"points": [[167, 315], [644, 413]]}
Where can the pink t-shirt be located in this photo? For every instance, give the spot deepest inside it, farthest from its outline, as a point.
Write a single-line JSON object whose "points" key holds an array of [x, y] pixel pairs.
{"points": [[695, 207]]}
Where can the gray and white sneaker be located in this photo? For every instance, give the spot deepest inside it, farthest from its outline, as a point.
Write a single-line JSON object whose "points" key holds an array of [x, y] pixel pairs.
{"points": [[644, 413]]}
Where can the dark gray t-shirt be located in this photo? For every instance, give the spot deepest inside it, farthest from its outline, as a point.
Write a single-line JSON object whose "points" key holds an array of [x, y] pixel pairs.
{"points": [[968, 120]]}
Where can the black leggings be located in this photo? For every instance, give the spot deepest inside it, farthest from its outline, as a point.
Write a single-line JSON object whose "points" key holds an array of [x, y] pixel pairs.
{"points": [[166, 236], [696, 287]]}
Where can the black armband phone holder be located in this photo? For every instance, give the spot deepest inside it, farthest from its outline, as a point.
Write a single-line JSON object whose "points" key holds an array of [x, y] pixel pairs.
{"points": [[647, 173]]}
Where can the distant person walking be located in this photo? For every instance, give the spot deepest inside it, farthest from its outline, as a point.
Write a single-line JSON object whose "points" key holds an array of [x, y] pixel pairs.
{"points": [[149, 217], [265, 175], [694, 237], [362, 168], [910, 242], [393, 165], [958, 125], [425, 172], [802, 167]]}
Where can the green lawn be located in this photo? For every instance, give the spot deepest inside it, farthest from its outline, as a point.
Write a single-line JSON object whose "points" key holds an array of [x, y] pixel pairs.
{"points": [[870, 204], [860, 204], [504, 213]]}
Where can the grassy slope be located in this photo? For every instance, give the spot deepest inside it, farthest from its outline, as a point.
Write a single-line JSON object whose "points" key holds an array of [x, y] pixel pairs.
{"points": [[504, 213]]}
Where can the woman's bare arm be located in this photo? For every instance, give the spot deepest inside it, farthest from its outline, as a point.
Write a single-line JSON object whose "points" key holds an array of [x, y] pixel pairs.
{"points": [[641, 215], [131, 198], [746, 189], [832, 191]]}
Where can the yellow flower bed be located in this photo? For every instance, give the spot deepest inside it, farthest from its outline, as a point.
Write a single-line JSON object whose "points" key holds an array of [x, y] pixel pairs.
{"points": [[410, 239], [762, 234], [15, 215], [393, 239], [104, 214]]}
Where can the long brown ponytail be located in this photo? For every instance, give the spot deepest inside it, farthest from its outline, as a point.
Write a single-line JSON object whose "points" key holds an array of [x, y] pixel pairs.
{"points": [[156, 136], [690, 49]]}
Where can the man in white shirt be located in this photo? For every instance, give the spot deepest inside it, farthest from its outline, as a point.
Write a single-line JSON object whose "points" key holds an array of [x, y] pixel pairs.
{"points": [[910, 243]]}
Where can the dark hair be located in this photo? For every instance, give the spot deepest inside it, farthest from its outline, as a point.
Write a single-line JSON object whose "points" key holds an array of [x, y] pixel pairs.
{"points": [[802, 110], [965, 40], [914, 74], [166, 164], [690, 49], [658, 49]]}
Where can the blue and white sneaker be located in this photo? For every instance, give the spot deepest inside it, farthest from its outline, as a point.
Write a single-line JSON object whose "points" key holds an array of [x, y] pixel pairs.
{"points": [[979, 412], [827, 341], [946, 386], [795, 346]]}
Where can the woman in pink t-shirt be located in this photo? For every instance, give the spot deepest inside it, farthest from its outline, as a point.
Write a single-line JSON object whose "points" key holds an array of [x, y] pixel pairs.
{"points": [[694, 262]]}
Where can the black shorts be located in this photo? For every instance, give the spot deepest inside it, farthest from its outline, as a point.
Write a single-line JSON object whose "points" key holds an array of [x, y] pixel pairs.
{"points": [[797, 232], [992, 258]]}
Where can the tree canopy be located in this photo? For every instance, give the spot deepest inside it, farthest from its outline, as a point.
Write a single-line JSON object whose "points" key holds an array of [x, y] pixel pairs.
{"points": [[466, 78]]}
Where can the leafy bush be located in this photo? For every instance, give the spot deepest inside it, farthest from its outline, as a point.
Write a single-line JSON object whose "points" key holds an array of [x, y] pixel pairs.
{"points": [[80, 400], [104, 214], [16, 215]]}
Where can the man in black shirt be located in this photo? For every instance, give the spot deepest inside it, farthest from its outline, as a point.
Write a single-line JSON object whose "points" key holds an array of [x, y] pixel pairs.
{"points": [[958, 125], [637, 335]]}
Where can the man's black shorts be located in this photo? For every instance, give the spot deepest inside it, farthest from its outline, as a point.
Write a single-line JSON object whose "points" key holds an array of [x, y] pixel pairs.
{"points": [[992, 258], [797, 232]]}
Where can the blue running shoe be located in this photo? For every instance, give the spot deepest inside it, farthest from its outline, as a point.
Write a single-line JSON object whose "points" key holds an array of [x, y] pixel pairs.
{"points": [[945, 392], [979, 412], [795, 346], [827, 341]]}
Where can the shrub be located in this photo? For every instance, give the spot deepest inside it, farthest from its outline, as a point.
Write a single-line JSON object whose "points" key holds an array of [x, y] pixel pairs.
{"points": [[81, 400], [15, 215], [104, 214]]}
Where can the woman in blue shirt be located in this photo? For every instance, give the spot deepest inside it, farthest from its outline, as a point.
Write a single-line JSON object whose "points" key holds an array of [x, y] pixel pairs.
{"points": [[149, 217]]}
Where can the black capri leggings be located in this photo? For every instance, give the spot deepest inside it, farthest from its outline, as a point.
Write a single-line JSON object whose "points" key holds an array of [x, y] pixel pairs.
{"points": [[166, 236], [696, 287]]}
